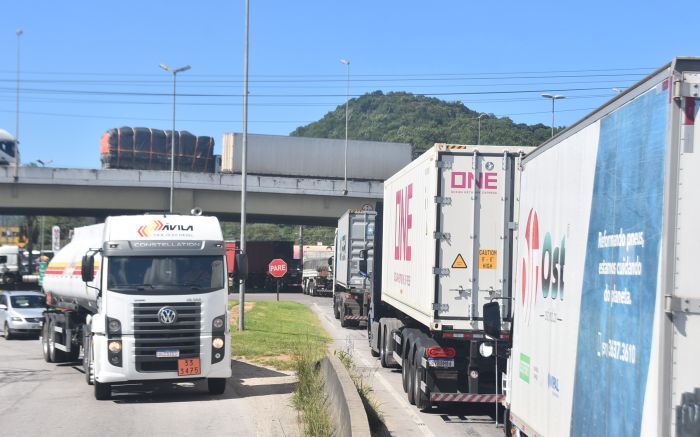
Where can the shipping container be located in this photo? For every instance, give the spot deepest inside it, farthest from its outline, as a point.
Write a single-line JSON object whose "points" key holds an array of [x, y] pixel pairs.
{"points": [[448, 220], [354, 243], [280, 155], [607, 307]]}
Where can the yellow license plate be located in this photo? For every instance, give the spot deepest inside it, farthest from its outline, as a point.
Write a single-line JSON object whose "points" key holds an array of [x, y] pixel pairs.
{"points": [[188, 366]]}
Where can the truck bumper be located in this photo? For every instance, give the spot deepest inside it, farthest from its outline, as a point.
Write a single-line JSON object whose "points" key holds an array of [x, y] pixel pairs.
{"points": [[107, 373]]}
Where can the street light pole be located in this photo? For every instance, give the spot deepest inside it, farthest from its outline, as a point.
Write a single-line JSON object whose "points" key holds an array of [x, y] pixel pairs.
{"points": [[478, 140], [553, 98], [347, 100], [174, 71], [244, 169], [19, 33]]}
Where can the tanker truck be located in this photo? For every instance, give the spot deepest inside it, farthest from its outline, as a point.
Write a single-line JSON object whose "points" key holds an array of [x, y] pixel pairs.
{"points": [[145, 298]]}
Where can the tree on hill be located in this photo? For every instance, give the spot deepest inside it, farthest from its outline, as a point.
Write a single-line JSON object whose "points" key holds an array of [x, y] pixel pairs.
{"points": [[421, 121]]}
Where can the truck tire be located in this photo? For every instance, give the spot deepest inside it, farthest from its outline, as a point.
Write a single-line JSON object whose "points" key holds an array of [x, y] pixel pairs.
{"points": [[336, 310], [7, 332], [216, 386], [103, 392], [87, 359], [45, 342], [57, 356], [384, 347], [343, 321], [404, 370], [422, 399], [312, 287], [410, 389]]}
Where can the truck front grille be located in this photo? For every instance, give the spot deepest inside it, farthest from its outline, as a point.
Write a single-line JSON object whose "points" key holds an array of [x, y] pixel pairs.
{"points": [[150, 335]]}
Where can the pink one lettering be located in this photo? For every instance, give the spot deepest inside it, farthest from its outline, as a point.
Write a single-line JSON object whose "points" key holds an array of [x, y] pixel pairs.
{"points": [[466, 179], [404, 222]]}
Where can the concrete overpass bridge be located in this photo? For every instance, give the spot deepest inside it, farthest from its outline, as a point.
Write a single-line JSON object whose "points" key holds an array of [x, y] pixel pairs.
{"points": [[98, 193]]}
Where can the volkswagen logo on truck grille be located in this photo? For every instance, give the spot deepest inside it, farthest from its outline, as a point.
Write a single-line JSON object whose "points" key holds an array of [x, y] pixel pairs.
{"points": [[167, 315]]}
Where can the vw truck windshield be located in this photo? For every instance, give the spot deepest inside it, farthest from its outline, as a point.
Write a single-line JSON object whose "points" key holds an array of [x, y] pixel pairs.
{"points": [[165, 274]]}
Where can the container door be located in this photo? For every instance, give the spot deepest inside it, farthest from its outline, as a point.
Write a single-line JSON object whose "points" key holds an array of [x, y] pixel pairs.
{"points": [[475, 218]]}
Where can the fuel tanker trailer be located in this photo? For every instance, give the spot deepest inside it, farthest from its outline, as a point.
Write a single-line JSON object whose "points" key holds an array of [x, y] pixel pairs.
{"points": [[145, 299]]}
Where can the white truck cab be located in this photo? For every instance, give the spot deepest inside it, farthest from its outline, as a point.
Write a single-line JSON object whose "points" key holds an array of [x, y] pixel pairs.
{"points": [[146, 299]]}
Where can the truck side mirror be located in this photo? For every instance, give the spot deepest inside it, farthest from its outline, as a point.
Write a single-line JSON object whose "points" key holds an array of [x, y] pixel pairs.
{"points": [[87, 269], [241, 268], [330, 262], [363, 261], [492, 319]]}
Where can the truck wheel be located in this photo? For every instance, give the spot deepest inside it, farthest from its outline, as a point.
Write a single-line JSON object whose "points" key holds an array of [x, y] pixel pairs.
{"points": [[404, 371], [312, 287], [410, 389], [343, 311], [87, 360], [57, 356], [384, 348], [6, 332], [103, 392], [45, 341], [216, 386], [422, 399], [336, 311]]}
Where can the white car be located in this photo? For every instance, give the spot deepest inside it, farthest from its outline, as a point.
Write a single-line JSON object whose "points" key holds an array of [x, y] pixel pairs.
{"points": [[21, 312]]}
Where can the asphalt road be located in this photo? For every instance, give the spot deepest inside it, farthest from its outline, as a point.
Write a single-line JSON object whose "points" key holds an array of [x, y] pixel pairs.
{"points": [[43, 399], [401, 418]]}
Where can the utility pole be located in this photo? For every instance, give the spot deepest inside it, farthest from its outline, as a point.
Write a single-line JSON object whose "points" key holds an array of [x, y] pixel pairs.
{"points": [[19, 33], [244, 170]]}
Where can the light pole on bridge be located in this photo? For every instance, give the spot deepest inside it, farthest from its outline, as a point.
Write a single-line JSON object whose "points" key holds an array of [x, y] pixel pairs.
{"points": [[174, 71]]}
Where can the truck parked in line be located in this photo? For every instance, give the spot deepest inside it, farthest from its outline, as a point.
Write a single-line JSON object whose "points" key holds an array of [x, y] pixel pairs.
{"points": [[443, 243], [10, 259], [259, 254], [8, 148], [354, 239], [145, 298], [317, 270], [607, 306]]}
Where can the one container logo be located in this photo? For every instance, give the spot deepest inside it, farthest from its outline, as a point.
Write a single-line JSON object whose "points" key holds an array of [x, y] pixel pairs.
{"points": [[542, 267], [404, 222]]}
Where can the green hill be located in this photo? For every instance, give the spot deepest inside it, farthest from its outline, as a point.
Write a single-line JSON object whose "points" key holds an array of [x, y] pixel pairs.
{"points": [[420, 121]]}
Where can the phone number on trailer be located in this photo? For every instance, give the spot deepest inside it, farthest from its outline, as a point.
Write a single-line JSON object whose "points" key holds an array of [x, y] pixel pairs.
{"points": [[619, 350]]}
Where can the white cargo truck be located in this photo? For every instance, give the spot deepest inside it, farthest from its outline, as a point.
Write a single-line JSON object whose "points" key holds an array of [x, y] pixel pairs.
{"points": [[606, 328], [8, 148], [446, 243], [354, 242], [145, 297], [9, 264], [316, 270]]}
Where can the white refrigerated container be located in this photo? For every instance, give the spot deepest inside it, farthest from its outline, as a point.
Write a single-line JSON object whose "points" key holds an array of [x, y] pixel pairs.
{"points": [[607, 307], [448, 221]]}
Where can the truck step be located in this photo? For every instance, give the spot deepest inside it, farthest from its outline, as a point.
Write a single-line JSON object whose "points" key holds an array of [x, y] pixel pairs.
{"points": [[355, 317], [465, 397]]}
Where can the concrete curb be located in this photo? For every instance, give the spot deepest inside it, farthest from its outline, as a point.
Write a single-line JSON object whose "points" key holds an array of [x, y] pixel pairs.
{"points": [[344, 403]]}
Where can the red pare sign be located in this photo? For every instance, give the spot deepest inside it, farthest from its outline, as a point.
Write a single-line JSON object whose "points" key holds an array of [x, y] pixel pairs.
{"points": [[277, 268]]}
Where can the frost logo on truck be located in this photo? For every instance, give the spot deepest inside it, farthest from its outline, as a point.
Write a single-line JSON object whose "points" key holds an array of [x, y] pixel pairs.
{"points": [[542, 269], [404, 222], [155, 228]]}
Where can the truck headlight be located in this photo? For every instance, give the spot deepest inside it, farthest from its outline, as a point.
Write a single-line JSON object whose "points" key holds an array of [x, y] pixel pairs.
{"points": [[114, 326], [217, 343], [474, 374], [486, 350], [218, 323], [114, 346]]}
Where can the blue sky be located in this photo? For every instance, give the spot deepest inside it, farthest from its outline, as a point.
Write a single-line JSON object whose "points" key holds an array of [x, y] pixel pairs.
{"points": [[87, 67]]}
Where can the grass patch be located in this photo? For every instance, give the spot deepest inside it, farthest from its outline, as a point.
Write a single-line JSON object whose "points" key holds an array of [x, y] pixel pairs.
{"points": [[374, 414], [288, 336], [309, 397], [276, 332]]}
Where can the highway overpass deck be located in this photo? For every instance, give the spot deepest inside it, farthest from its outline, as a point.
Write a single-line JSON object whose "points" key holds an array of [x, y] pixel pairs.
{"points": [[90, 192]]}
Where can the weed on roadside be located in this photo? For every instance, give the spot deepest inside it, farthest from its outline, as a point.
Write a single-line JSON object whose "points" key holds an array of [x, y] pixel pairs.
{"points": [[309, 397]]}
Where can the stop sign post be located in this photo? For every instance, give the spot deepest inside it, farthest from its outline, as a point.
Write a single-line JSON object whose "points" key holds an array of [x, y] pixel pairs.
{"points": [[277, 268]]}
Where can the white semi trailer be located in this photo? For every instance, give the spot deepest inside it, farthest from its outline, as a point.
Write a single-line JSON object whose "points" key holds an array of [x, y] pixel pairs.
{"points": [[145, 297], [607, 308], [443, 246]]}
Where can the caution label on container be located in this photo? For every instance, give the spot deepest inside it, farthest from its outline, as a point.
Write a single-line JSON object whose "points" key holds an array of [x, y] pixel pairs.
{"points": [[487, 259], [459, 262]]}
